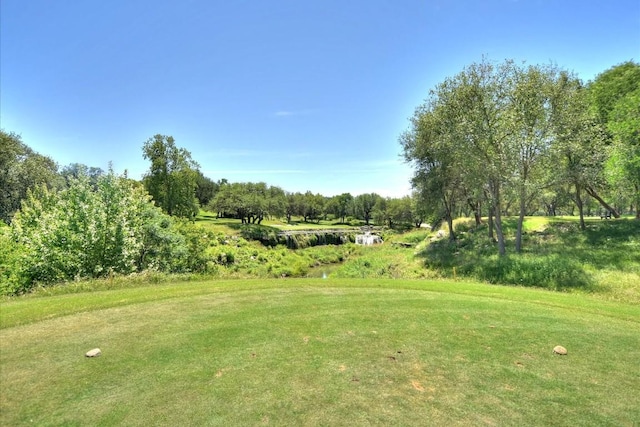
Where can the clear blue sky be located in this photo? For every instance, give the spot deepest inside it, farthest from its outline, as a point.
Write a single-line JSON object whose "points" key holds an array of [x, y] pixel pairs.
{"points": [[303, 94]]}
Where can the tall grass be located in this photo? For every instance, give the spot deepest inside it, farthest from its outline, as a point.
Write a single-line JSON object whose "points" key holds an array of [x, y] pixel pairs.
{"points": [[557, 255]]}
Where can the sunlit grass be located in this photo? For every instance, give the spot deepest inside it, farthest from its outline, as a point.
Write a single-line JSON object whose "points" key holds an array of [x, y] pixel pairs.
{"points": [[319, 352], [604, 259]]}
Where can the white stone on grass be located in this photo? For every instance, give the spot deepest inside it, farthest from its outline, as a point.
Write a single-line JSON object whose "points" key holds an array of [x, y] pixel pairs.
{"points": [[94, 353], [560, 350]]}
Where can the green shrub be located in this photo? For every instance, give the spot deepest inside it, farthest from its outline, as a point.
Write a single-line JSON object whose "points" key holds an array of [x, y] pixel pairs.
{"points": [[91, 231], [551, 272], [196, 241], [13, 279]]}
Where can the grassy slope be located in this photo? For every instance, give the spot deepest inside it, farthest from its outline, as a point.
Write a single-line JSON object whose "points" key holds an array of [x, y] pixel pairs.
{"points": [[313, 351]]}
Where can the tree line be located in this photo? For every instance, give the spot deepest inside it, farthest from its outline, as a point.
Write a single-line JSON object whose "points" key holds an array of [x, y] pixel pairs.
{"points": [[177, 186], [493, 140], [502, 134]]}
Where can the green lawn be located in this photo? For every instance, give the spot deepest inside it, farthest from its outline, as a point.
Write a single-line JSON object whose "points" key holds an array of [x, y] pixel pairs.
{"points": [[319, 352]]}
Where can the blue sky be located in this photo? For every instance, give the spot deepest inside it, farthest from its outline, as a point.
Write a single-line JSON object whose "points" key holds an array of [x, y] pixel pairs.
{"points": [[303, 94]]}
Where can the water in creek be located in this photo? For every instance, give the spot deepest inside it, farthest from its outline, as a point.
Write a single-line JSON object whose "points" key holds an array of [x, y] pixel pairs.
{"points": [[323, 271]]}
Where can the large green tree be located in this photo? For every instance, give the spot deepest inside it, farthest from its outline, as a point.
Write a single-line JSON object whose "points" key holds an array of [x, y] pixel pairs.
{"points": [[579, 150], [490, 130], [172, 177], [469, 135], [624, 165], [615, 97], [20, 169], [313, 206], [341, 206], [250, 202], [439, 170], [206, 188], [536, 89], [364, 205], [76, 170]]}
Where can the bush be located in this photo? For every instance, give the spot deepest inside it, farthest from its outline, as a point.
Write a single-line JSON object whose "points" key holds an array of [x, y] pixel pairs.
{"points": [[196, 242], [13, 279], [551, 272], [88, 231]]}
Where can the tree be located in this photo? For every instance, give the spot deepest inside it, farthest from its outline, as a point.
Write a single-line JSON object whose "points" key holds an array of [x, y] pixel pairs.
{"points": [[615, 97], [312, 207], [276, 202], [609, 87], [624, 165], [465, 132], [535, 91], [229, 200], [21, 169], [381, 212], [432, 149], [292, 207], [250, 202], [419, 213], [340, 206], [491, 129], [172, 177], [579, 148], [76, 170], [364, 205], [206, 188], [399, 212]]}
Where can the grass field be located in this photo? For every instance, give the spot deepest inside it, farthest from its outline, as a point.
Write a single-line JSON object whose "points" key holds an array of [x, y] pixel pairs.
{"points": [[319, 352]]}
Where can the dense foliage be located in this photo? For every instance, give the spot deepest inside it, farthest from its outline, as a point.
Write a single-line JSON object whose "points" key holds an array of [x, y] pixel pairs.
{"points": [[20, 169], [615, 96], [172, 178], [498, 136], [85, 231]]}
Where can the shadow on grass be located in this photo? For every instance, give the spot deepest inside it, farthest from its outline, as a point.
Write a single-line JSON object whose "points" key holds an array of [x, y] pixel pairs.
{"points": [[557, 257]]}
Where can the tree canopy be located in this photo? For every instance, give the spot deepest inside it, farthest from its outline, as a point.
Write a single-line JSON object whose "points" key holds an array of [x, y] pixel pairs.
{"points": [[172, 177], [615, 96], [20, 169], [491, 131]]}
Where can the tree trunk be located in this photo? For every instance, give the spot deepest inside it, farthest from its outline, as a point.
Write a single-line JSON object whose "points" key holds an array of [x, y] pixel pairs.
{"points": [[475, 207], [523, 203], [490, 214], [452, 235], [448, 210], [495, 191], [501, 246], [637, 188], [590, 191], [580, 207]]}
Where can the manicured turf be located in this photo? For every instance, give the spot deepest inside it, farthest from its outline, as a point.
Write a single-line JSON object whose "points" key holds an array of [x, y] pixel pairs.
{"points": [[319, 352]]}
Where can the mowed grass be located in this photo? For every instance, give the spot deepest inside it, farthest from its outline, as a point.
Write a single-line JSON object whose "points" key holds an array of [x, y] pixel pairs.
{"points": [[319, 352]]}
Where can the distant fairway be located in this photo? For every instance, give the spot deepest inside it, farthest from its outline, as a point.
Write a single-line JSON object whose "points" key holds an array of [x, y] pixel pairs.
{"points": [[319, 352]]}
